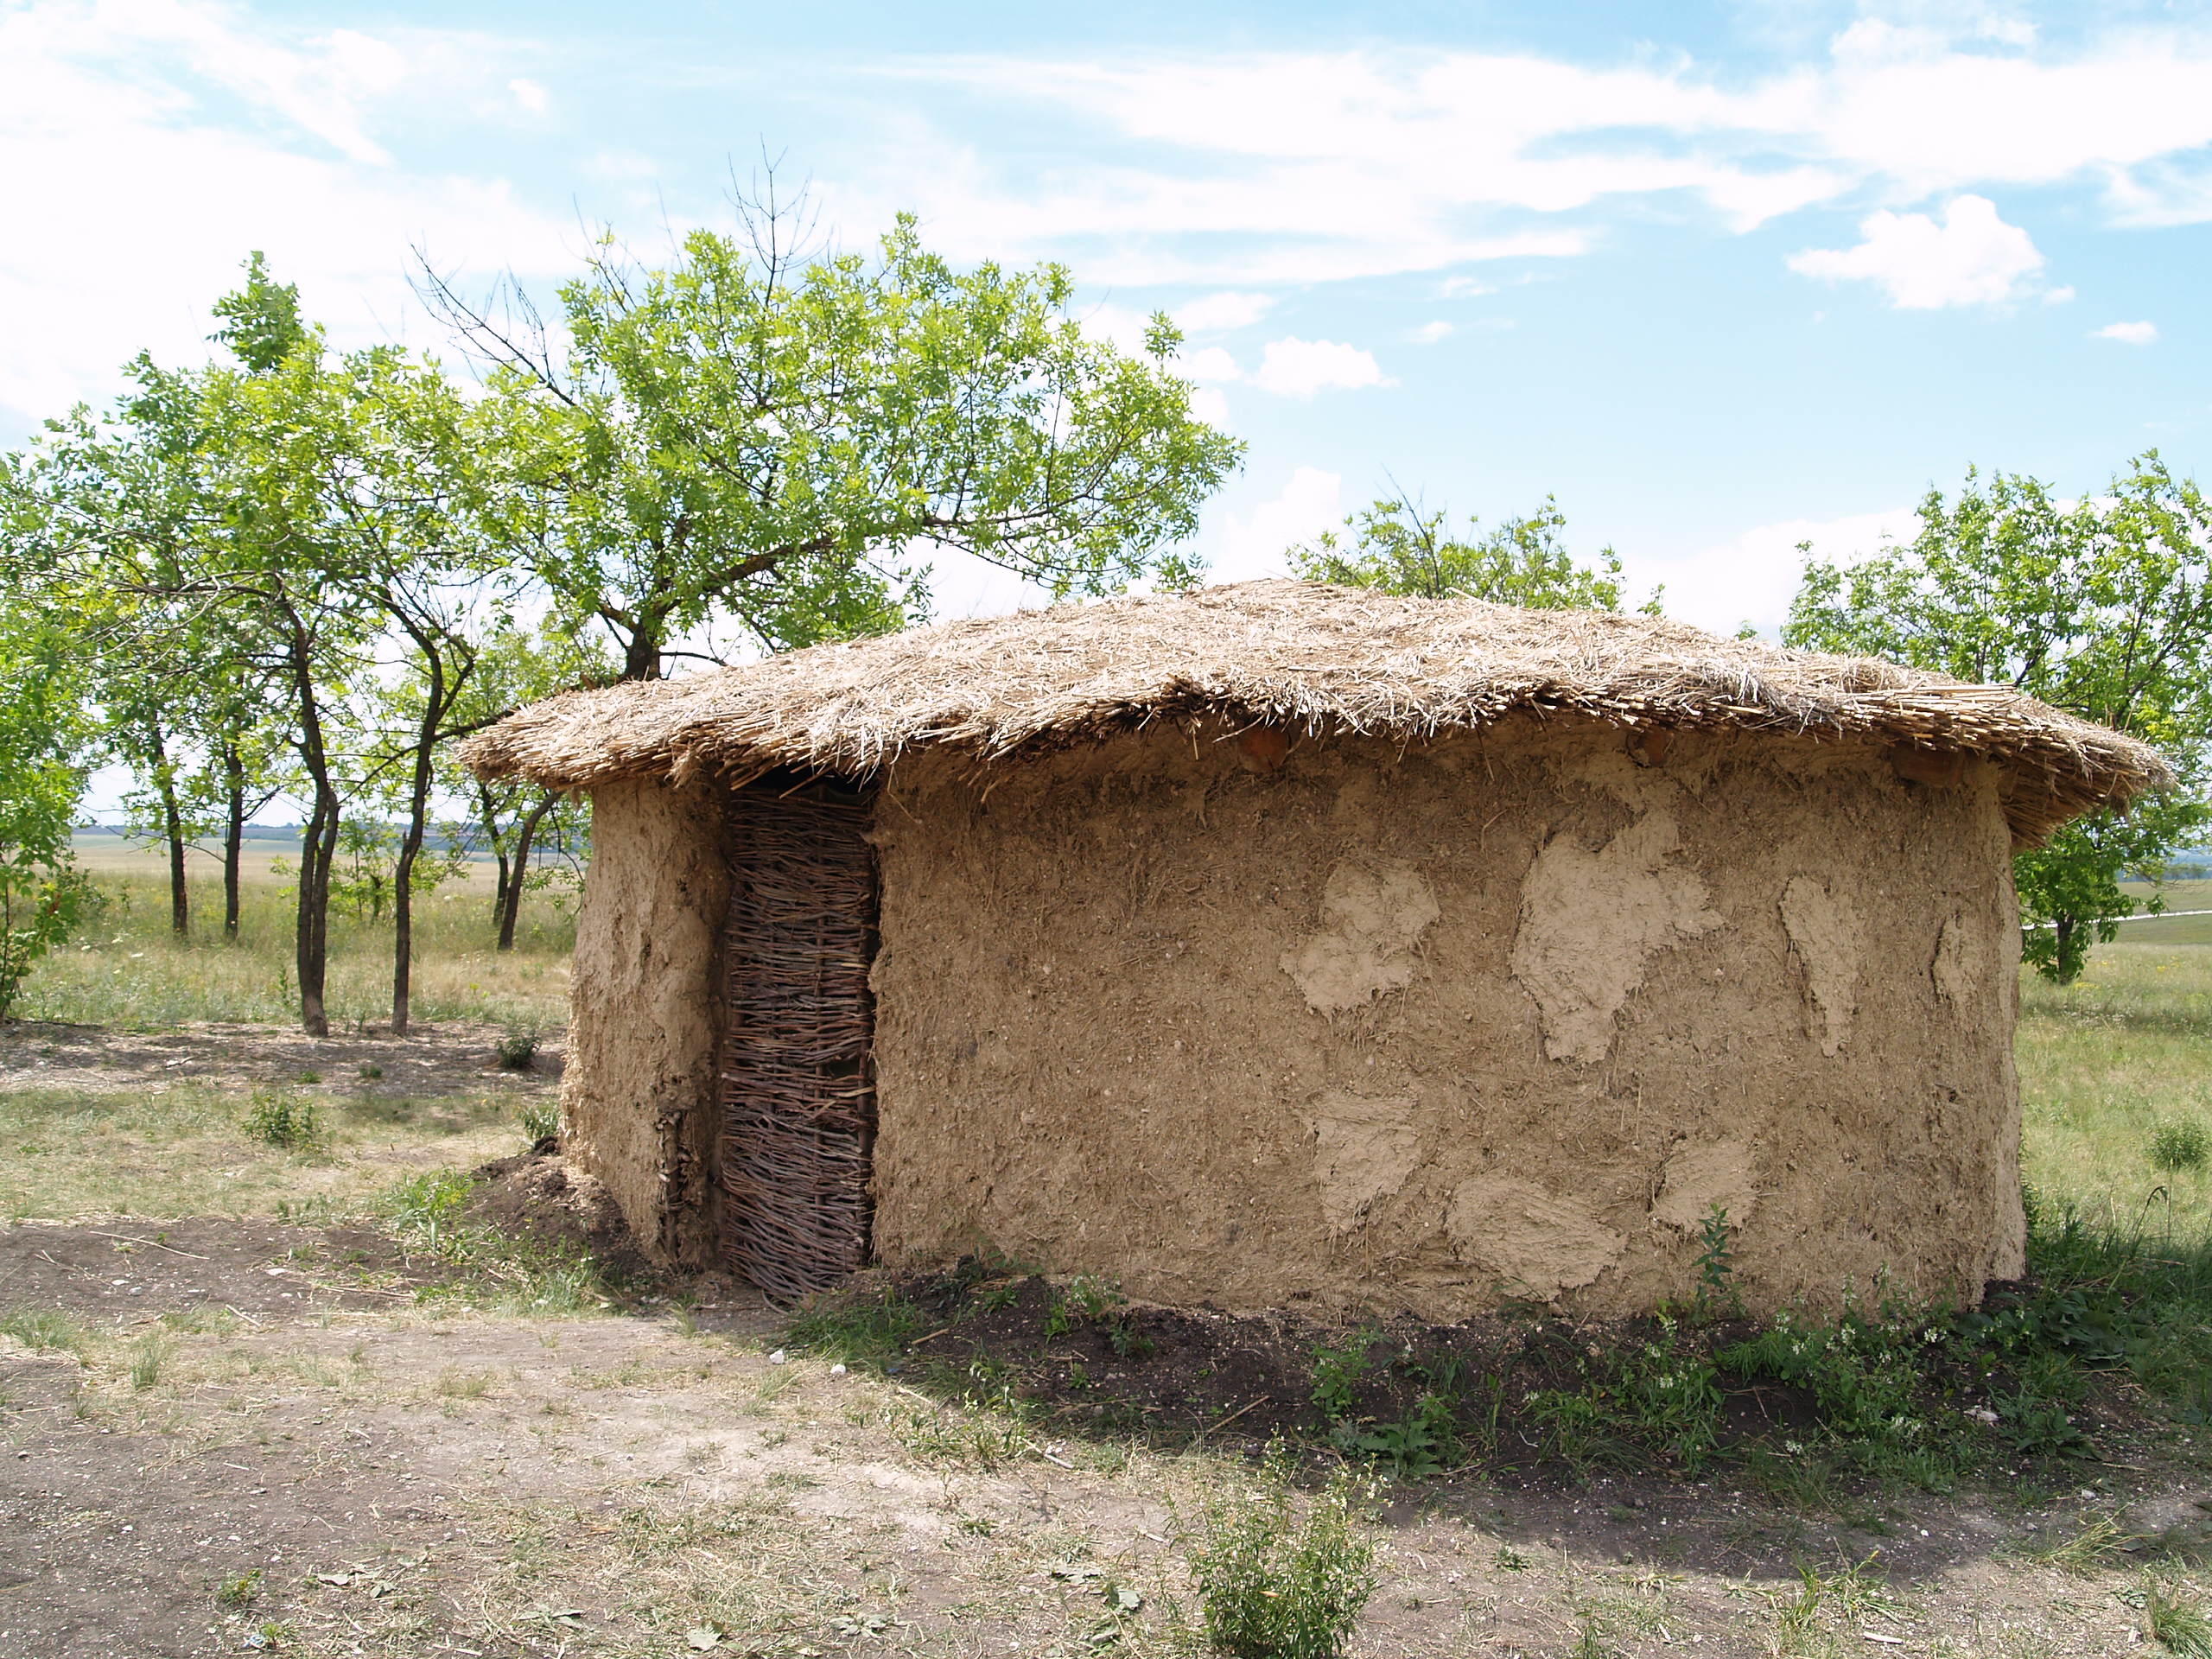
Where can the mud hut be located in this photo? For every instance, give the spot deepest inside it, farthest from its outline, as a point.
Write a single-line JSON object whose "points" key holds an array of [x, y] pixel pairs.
{"points": [[1286, 945]]}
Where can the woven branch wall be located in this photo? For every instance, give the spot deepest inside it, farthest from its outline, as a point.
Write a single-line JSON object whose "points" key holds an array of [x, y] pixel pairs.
{"points": [[797, 1081]]}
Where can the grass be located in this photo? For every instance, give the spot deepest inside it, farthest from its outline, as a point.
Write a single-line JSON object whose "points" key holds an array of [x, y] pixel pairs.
{"points": [[2109, 1064], [185, 1150], [124, 969]]}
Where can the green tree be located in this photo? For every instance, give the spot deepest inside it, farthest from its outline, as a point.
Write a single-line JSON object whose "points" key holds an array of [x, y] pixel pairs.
{"points": [[512, 819], [42, 733], [2102, 607], [758, 437], [1395, 546]]}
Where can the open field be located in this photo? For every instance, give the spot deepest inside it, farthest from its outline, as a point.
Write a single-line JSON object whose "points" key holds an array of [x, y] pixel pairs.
{"points": [[310, 1401], [125, 969]]}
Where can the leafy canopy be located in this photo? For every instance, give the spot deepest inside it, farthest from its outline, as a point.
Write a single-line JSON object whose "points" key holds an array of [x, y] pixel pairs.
{"points": [[2102, 607], [754, 437], [1395, 547], [42, 729]]}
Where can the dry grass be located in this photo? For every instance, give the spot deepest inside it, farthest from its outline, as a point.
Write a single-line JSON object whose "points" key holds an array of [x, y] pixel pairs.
{"points": [[126, 971], [182, 1151], [1294, 654]]}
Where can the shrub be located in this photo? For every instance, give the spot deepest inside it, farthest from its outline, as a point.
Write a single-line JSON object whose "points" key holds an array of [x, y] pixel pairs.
{"points": [[517, 1050], [1273, 1584], [2179, 1146], [540, 1121], [284, 1120]]}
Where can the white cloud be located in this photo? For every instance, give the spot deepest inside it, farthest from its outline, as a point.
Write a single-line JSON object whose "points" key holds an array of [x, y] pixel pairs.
{"points": [[1212, 363], [1218, 312], [1971, 257], [1429, 332], [1252, 545], [528, 93], [1753, 576], [1463, 288], [110, 146], [1298, 368], [1208, 404], [2128, 333], [1245, 167]]}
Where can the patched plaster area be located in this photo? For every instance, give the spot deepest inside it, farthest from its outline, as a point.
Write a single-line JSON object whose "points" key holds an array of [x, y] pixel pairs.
{"points": [[1828, 936], [1591, 922], [1696, 1178], [1364, 1149], [1963, 967], [1372, 919], [1531, 1241]]}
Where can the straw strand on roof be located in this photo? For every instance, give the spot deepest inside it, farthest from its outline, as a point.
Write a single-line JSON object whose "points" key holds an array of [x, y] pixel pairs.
{"points": [[1319, 658]]}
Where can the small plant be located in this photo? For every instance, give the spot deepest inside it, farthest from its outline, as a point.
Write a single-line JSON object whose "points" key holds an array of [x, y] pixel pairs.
{"points": [[1417, 1445], [425, 1208], [310, 1076], [2182, 1147], [1337, 1373], [2177, 1621], [241, 1591], [281, 1119], [541, 1121], [1274, 1584], [43, 1330], [146, 1363], [517, 1050], [1716, 1296], [371, 1072]]}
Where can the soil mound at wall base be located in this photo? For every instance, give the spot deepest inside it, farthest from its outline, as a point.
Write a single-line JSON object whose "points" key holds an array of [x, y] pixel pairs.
{"points": [[538, 1196]]}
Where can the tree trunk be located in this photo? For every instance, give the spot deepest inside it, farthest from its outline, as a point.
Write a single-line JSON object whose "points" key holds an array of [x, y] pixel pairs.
{"points": [[318, 844], [2062, 929], [173, 826], [525, 832], [411, 844], [487, 814], [641, 658], [173, 829], [233, 836]]}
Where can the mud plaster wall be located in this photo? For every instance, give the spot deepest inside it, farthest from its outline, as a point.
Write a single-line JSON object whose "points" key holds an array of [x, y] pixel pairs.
{"points": [[1501, 1016], [636, 1100]]}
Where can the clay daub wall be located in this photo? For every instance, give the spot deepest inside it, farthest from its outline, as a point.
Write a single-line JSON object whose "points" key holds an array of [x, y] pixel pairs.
{"points": [[1342, 1026], [635, 1099]]}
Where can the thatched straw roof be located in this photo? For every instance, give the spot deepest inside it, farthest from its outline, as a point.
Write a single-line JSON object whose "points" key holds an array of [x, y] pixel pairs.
{"points": [[1318, 658]]}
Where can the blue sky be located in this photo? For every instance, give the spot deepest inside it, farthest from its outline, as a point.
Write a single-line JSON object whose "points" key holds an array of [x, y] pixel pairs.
{"points": [[1720, 278]]}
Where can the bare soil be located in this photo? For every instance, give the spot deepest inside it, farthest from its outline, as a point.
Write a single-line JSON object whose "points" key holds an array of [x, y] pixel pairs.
{"points": [[450, 1058]]}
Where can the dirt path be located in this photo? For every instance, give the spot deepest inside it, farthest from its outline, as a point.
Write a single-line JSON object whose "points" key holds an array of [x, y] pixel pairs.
{"points": [[449, 1058], [316, 1469]]}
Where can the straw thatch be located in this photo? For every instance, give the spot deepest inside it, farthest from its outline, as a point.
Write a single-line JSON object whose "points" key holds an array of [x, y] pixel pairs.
{"points": [[1318, 658]]}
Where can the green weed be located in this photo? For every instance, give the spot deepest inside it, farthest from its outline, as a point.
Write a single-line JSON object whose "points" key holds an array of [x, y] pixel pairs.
{"points": [[282, 1119], [1272, 1583], [146, 1362], [2183, 1146], [1337, 1373], [2177, 1620], [853, 1329], [43, 1330]]}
